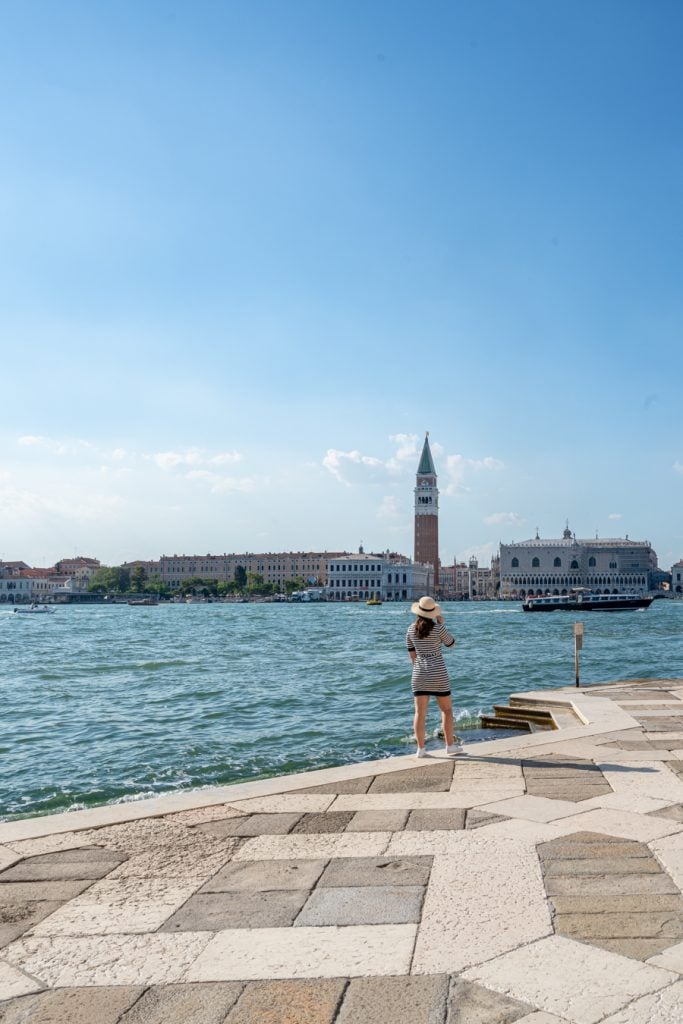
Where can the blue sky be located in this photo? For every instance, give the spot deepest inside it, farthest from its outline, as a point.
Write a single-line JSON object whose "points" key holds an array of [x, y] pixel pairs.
{"points": [[250, 252]]}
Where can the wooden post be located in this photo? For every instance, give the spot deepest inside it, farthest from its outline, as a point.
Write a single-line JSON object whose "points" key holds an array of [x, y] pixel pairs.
{"points": [[578, 644]]}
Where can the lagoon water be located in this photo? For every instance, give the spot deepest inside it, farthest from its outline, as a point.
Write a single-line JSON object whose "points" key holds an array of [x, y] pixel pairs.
{"points": [[105, 703]]}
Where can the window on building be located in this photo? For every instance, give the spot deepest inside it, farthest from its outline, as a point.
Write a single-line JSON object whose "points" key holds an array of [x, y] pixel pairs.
{"points": [[574, 565], [515, 563], [592, 563], [557, 563], [535, 563]]}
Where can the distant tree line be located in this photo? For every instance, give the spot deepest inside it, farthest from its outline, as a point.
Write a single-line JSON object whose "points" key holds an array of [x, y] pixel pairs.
{"points": [[118, 580]]}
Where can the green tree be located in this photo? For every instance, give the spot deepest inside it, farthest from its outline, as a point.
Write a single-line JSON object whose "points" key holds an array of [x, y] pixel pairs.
{"points": [[292, 585], [138, 578], [110, 580], [155, 585], [240, 578]]}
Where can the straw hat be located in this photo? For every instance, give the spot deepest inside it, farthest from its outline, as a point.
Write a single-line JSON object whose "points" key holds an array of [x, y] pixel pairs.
{"points": [[426, 608]]}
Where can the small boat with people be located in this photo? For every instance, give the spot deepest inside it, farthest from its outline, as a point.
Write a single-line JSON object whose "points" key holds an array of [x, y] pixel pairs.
{"points": [[373, 600], [35, 609], [580, 600]]}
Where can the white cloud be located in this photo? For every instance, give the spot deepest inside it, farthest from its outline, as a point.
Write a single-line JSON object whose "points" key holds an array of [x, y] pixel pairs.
{"points": [[118, 454], [507, 518], [193, 457], [219, 484], [338, 463], [458, 467], [677, 467], [406, 450], [53, 445], [390, 507], [614, 515]]}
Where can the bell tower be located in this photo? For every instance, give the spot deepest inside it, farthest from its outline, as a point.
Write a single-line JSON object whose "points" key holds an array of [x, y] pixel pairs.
{"points": [[427, 513]]}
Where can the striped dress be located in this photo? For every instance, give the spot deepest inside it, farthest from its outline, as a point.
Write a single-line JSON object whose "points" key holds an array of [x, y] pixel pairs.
{"points": [[430, 676]]}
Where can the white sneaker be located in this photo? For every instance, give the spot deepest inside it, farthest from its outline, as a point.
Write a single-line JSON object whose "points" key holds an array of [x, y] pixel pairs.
{"points": [[420, 752], [454, 748]]}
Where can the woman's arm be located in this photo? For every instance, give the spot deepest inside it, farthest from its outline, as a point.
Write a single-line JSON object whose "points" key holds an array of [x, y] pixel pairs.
{"points": [[412, 655]]}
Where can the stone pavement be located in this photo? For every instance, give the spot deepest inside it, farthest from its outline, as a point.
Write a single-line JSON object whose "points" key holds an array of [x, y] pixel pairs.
{"points": [[534, 879]]}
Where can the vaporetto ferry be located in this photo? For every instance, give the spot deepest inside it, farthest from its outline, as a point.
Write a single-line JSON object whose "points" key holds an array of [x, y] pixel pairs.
{"points": [[586, 601]]}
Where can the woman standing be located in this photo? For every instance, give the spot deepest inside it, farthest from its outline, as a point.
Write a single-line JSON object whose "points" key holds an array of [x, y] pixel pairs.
{"points": [[430, 676]]}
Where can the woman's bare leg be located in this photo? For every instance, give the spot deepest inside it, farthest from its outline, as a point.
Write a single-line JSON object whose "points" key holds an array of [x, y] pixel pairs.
{"points": [[446, 709], [420, 721]]}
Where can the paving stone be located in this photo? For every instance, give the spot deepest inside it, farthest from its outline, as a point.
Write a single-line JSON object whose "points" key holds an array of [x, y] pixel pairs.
{"points": [[200, 815], [430, 779], [211, 912], [16, 918], [72, 1006], [14, 982], [426, 820], [605, 866], [672, 813], [72, 961], [273, 953], [663, 1007], [345, 786], [262, 875], [624, 824], [29, 892], [410, 1000], [386, 904], [206, 1003], [531, 807], [480, 904], [476, 819], [157, 848], [85, 863], [118, 906], [587, 838], [637, 949], [378, 821], [621, 925], [568, 850], [286, 803], [624, 903], [288, 1002], [609, 885], [252, 825], [675, 766], [469, 1003], [315, 847], [630, 745], [332, 821], [376, 871], [575, 981], [547, 767]]}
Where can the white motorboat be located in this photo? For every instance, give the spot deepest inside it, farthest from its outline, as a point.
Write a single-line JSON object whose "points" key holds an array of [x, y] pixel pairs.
{"points": [[35, 609]]}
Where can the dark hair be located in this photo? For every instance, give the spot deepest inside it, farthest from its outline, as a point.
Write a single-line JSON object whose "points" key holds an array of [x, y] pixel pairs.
{"points": [[423, 627]]}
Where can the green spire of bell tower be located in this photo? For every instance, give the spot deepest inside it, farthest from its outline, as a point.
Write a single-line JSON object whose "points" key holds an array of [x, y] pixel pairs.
{"points": [[426, 467]]}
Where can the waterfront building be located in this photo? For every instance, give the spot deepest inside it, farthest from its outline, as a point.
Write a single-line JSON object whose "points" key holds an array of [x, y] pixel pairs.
{"points": [[274, 567], [80, 570], [469, 581], [151, 566], [389, 577], [677, 578], [15, 590], [554, 566], [426, 519]]}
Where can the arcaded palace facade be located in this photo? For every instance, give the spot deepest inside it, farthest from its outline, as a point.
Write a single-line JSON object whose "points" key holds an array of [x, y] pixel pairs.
{"points": [[606, 566]]}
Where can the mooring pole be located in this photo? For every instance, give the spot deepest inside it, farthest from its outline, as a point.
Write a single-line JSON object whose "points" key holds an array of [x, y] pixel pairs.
{"points": [[578, 644]]}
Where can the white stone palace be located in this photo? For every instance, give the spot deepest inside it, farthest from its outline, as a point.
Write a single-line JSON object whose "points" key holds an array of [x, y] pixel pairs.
{"points": [[554, 566]]}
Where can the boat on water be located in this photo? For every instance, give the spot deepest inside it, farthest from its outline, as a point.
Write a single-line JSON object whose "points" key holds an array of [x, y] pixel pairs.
{"points": [[586, 601], [143, 601], [373, 600], [35, 609]]}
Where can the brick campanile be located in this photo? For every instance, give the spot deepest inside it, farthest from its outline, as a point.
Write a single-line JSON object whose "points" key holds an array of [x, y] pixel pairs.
{"points": [[427, 514]]}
